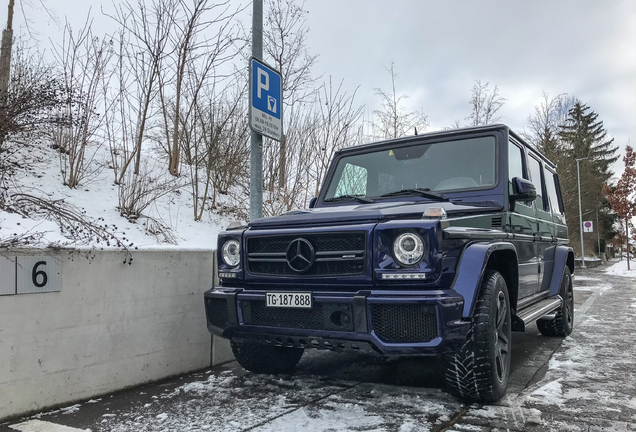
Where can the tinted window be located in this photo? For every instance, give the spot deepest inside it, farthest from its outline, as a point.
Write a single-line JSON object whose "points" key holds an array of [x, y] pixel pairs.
{"points": [[550, 184], [446, 166], [515, 164], [535, 177]]}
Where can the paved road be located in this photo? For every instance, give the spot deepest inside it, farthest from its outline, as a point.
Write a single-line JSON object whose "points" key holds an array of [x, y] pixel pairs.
{"points": [[586, 382]]}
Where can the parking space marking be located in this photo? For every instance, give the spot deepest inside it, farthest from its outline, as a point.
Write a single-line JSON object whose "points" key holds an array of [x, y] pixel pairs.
{"points": [[585, 306], [42, 426]]}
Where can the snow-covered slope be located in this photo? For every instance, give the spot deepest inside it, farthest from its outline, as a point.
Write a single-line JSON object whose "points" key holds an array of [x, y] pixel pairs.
{"points": [[36, 173]]}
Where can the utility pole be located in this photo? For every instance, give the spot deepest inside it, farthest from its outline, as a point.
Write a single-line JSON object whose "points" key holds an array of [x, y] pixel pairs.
{"points": [[256, 154], [598, 236], [5, 55], [578, 176]]}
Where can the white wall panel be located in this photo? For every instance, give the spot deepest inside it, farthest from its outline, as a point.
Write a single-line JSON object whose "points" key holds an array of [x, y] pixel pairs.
{"points": [[111, 326], [7, 275]]}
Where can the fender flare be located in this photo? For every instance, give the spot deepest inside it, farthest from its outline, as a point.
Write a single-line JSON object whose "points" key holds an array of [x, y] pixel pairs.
{"points": [[563, 256], [472, 263]]}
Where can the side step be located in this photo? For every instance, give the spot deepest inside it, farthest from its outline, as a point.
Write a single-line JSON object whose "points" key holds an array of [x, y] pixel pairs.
{"points": [[527, 316]]}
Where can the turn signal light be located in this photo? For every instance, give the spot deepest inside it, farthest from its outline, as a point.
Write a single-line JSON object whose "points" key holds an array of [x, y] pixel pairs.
{"points": [[434, 212]]}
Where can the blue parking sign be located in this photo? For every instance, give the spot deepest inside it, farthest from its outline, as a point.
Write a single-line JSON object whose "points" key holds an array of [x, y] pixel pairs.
{"points": [[266, 100]]}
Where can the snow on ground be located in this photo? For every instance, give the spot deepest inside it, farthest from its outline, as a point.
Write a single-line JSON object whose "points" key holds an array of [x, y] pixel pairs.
{"points": [[589, 376], [292, 403], [39, 175], [579, 278], [620, 269]]}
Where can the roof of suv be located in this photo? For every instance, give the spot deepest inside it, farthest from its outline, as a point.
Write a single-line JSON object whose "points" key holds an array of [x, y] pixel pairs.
{"points": [[443, 134]]}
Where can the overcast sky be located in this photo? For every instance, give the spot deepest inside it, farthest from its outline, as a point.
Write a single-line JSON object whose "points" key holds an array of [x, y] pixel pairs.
{"points": [[440, 48]]}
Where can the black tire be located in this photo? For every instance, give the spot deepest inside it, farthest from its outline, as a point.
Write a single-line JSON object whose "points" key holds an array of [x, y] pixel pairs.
{"points": [[479, 371], [266, 358], [563, 321]]}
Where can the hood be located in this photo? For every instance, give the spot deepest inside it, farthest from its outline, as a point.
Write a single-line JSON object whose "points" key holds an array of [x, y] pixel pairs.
{"points": [[363, 213]]}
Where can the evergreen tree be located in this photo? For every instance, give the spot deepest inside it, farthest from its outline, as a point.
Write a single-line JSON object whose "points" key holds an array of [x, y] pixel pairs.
{"points": [[582, 135]]}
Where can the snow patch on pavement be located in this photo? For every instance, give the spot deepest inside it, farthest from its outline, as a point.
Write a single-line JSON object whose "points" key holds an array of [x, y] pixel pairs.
{"points": [[589, 375], [228, 402], [585, 278], [552, 393], [620, 269]]}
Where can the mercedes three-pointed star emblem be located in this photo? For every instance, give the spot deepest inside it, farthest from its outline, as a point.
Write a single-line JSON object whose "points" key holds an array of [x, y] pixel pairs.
{"points": [[300, 255]]}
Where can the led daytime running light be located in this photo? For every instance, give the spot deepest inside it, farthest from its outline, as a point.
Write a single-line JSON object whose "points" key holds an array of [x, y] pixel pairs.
{"points": [[403, 276]]}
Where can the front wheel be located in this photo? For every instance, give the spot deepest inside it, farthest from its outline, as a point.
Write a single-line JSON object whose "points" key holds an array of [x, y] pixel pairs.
{"points": [[563, 321], [266, 358], [480, 369]]}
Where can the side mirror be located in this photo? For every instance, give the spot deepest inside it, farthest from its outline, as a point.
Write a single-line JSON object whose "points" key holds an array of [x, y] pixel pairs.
{"points": [[312, 202], [524, 190]]}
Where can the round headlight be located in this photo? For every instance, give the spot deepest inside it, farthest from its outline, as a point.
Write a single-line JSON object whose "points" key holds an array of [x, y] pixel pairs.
{"points": [[231, 253], [408, 249]]}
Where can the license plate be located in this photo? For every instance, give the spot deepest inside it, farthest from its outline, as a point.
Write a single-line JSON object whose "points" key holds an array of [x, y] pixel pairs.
{"points": [[300, 300]]}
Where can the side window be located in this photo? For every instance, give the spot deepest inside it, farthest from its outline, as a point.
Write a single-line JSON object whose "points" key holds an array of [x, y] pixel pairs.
{"points": [[550, 183], [353, 181], [515, 164], [535, 177]]}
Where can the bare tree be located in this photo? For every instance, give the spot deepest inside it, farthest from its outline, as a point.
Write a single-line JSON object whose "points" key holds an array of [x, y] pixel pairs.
{"points": [[545, 122], [144, 38], [338, 124], [6, 46], [392, 120], [83, 60], [485, 105], [196, 59], [35, 94], [285, 35], [219, 146]]}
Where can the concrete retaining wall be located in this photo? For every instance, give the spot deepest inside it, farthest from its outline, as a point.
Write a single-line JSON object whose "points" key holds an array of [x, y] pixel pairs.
{"points": [[588, 263], [112, 325]]}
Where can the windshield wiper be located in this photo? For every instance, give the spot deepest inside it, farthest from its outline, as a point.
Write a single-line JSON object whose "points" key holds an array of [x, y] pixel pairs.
{"points": [[425, 192], [349, 198]]}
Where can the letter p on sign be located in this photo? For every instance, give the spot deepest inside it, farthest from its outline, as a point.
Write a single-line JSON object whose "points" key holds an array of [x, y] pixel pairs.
{"points": [[262, 85]]}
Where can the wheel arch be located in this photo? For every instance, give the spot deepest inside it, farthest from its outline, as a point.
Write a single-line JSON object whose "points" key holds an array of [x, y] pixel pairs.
{"points": [[563, 256], [505, 262], [475, 260]]}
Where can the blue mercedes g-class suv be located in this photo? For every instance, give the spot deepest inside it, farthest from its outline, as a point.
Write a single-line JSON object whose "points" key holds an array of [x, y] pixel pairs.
{"points": [[437, 244]]}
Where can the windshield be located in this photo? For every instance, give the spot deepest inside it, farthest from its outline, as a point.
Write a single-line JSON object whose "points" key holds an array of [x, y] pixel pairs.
{"points": [[447, 166]]}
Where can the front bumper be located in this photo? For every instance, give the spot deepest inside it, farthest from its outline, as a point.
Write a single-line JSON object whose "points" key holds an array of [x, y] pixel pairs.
{"points": [[389, 322]]}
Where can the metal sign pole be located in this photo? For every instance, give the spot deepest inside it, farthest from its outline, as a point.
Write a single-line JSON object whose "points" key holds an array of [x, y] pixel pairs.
{"points": [[578, 176], [256, 154]]}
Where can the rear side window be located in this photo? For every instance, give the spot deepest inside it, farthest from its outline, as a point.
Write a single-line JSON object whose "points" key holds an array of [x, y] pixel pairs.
{"points": [[550, 183], [515, 164], [535, 174]]}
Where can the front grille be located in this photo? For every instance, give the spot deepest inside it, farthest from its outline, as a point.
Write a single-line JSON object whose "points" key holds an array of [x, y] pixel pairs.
{"points": [[217, 312], [323, 316], [336, 254], [327, 268], [404, 322]]}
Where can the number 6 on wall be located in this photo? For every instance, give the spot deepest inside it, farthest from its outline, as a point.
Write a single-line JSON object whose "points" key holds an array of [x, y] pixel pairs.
{"points": [[37, 274]]}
